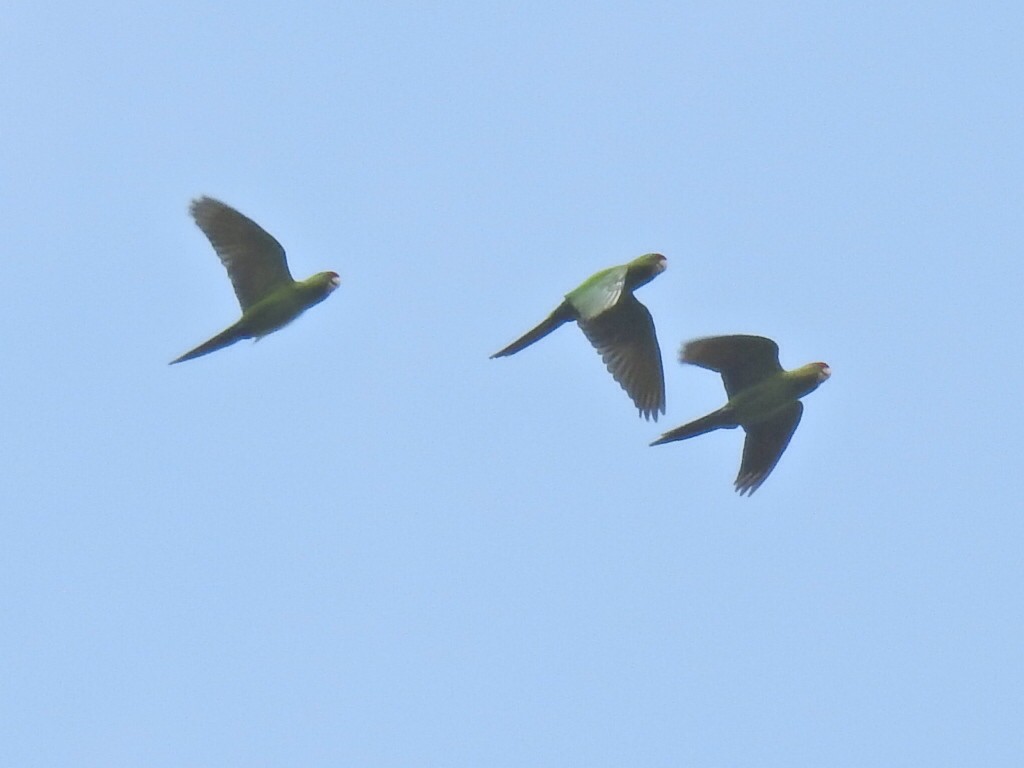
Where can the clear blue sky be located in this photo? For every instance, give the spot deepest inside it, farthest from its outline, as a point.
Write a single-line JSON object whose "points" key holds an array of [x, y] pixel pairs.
{"points": [[360, 542]]}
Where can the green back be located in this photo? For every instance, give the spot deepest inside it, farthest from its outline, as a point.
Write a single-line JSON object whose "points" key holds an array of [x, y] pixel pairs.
{"points": [[598, 292]]}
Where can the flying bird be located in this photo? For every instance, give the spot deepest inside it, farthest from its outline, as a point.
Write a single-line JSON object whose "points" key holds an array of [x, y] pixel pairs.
{"points": [[618, 326], [256, 265], [764, 399]]}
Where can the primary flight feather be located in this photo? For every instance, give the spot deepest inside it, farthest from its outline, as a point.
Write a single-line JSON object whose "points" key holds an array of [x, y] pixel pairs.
{"points": [[258, 270]]}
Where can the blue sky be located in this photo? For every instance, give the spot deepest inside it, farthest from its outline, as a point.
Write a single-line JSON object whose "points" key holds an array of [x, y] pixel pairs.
{"points": [[361, 542]]}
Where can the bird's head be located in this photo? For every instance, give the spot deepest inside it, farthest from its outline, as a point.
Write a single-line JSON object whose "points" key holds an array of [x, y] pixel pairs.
{"points": [[823, 371], [655, 261], [325, 281], [322, 284], [645, 268]]}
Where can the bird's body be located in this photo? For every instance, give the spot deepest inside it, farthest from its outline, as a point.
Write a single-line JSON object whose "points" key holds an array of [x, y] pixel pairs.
{"points": [[764, 399], [618, 326], [256, 265]]}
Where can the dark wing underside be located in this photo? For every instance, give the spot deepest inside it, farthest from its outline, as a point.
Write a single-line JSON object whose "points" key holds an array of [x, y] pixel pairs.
{"points": [[624, 336], [742, 360], [764, 445], [255, 261]]}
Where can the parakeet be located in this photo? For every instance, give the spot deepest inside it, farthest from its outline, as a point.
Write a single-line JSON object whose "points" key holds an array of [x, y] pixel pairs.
{"points": [[764, 399], [256, 265], [619, 327]]}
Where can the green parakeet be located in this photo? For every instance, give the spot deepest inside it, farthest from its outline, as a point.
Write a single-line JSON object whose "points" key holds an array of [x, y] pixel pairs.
{"points": [[764, 399], [256, 265], [619, 327]]}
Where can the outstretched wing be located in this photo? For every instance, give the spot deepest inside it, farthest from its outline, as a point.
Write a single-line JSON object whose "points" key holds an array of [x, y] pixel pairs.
{"points": [[742, 360], [255, 261], [764, 445], [625, 337]]}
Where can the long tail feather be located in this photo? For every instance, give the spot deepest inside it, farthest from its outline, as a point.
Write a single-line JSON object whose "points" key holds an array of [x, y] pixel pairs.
{"points": [[223, 339], [715, 420], [559, 317]]}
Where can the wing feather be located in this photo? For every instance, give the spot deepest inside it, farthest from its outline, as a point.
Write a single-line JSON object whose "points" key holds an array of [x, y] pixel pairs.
{"points": [[742, 360], [255, 261], [625, 337], [764, 445]]}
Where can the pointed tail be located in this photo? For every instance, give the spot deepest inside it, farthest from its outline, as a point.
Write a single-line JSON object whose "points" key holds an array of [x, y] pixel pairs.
{"points": [[559, 317], [715, 420], [223, 339]]}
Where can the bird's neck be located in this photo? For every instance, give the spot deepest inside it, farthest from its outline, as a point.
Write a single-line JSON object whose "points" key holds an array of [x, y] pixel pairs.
{"points": [[639, 275]]}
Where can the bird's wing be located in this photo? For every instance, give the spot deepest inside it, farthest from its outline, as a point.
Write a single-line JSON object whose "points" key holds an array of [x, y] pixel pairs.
{"points": [[764, 445], [255, 261], [742, 360], [624, 336], [598, 293]]}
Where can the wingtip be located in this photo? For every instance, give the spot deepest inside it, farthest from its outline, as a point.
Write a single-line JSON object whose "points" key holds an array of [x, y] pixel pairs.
{"points": [[748, 484], [650, 413]]}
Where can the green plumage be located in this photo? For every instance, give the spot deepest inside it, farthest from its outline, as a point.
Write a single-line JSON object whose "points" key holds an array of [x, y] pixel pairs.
{"points": [[764, 399], [256, 264], [618, 326]]}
